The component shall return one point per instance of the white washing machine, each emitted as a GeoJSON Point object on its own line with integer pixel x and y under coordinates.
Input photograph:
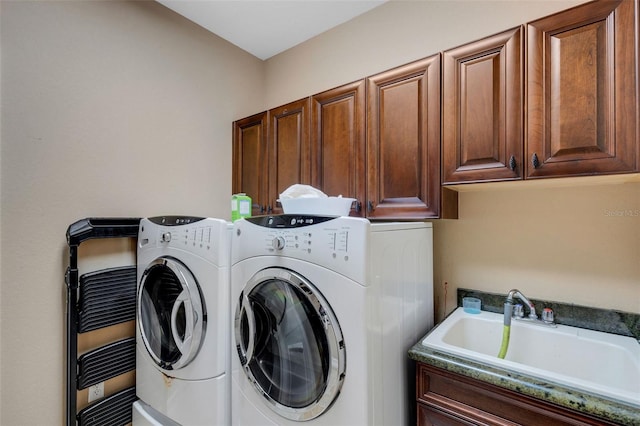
{"type": "Point", "coordinates": [324, 311]}
{"type": "Point", "coordinates": [183, 330]}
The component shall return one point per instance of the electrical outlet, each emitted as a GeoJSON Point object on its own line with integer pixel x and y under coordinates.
{"type": "Point", "coordinates": [96, 391]}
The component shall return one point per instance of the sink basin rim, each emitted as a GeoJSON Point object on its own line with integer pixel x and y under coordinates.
{"type": "Point", "coordinates": [435, 341]}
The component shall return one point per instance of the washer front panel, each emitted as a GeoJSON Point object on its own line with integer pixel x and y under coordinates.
{"type": "Point", "coordinates": [290, 343]}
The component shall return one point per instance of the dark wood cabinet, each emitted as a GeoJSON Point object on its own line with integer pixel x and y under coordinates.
{"type": "Point", "coordinates": [375, 140]}
{"type": "Point", "coordinates": [270, 153]}
{"type": "Point", "coordinates": [429, 416]}
{"type": "Point", "coordinates": [250, 165]}
{"type": "Point", "coordinates": [482, 107]}
{"type": "Point", "coordinates": [580, 99]}
{"type": "Point", "coordinates": [560, 100]}
{"type": "Point", "coordinates": [338, 134]}
{"type": "Point", "coordinates": [582, 91]}
{"type": "Point", "coordinates": [403, 143]}
{"type": "Point", "coordinates": [288, 149]}
{"type": "Point", "coordinates": [445, 399]}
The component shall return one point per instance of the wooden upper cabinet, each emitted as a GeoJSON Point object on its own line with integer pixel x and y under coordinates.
{"type": "Point", "coordinates": [582, 91]}
{"type": "Point", "coordinates": [403, 143]}
{"type": "Point", "coordinates": [482, 133]}
{"type": "Point", "coordinates": [288, 149]}
{"type": "Point", "coordinates": [338, 142]}
{"type": "Point", "coordinates": [249, 160]}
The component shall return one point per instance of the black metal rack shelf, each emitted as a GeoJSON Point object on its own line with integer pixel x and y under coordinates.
{"type": "Point", "coordinates": [96, 300]}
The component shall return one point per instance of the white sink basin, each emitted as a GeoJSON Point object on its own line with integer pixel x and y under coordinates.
{"type": "Point", "coordinates": [601, 363]}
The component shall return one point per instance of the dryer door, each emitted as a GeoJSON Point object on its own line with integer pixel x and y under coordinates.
{"type": "Point", "coordinates": [171, 313]}
{"type": "Point", "coordinates": [290, 343]}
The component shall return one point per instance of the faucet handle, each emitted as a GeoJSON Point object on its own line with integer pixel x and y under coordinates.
{"type": "Point", "coordinates": [547, 315]}
{"type": "Point", "coordinates": [518, 311]}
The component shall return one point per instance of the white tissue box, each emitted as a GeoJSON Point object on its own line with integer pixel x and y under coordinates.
{"type": "Point", "coordinates": [325, 206]}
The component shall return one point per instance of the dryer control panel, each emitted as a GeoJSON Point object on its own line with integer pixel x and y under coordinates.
{"type": "Point", "coordinates": [338, 243]}
{"type": "Point", "coordinates": [205, 237]}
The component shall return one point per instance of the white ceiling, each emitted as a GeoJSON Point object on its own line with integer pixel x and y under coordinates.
{"type": "Point", "coordinates": [265, 28]}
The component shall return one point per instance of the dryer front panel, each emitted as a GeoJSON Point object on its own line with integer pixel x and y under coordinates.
{"type": "Point", "coordinates": [289, 343]}
{"type": "Point", "coordinates": [171, 313]}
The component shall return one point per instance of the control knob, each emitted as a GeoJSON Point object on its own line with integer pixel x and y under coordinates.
{"type": "Point", "coordinates": [278, 243]}
{"type": "Point", "coordinates": [166, 237]}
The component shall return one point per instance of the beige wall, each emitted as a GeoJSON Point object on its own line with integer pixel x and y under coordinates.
{"type": "Point", "coordinates": [109, 108]}
{"type": "Point", "coordinates": [555, 242]}
{"type": "Point", "coordinates": [576, 242]}
{"type": "Point", "coordinates": [393, 34]}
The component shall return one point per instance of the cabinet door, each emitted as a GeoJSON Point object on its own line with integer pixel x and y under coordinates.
{"type": "Point", "coordinates": [288, 149]}
{"type": "Point", "coordinates": [338, 142]}
{"type": "Point", "coordinates": [403, 144]}
{"type": "Point", "coordinates": [429, 416]}
{"type": "Point", "coordinates": [582, 83]}
{"type": "Point", "coordinates": [482, 135]}
{"type": "Point", "coordinates": [448, 398]}
{"type": "Point", "coordinates": [250, 168]}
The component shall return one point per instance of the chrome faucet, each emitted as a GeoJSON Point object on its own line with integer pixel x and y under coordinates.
{"type": "Point", "coordinates": [516, 293]}
{"type": "Point", "coordinates": [547, 317]}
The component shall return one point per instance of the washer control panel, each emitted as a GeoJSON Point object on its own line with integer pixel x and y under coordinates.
{"type": "Point", "coordinates": [289, 221]}
{"type": "Point", "coordinates": [325, 240]}
{"type": "Point", "coordinates": [174, 220]}
{"type": "Point", "coordinates": [189, 236]}
{"type": "Point", "coordinates": [206, 237]}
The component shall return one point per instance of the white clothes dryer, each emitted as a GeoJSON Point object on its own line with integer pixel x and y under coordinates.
{"type": "Point", "coordinates": [183, 331]}
{"type": "Point", "coordinates": [324, 311]}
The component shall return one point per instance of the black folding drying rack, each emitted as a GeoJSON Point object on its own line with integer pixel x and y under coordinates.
{"type": "Point", "coordinates": [96, 300]}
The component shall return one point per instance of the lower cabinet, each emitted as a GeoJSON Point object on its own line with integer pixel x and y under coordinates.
{"type": "Point", "coordinates": [446, 398]}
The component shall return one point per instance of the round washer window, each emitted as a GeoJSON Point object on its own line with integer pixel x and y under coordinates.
{"type": "Point", "coordinates": [171, 315]}
{"type": "Point", "coordinates": [290, 344]}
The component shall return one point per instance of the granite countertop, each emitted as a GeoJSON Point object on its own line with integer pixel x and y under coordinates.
{"type": "Point", "coordinates": [571, 398]}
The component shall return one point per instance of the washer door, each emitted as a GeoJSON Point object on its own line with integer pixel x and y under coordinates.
{"type": "Point", "coordinates": [290, 343]}
{"type": "Point", "coordinates": [171, 313]}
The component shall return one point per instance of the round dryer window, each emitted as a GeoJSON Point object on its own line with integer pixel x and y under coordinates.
{"type": "Point", "coordinates": [290, 343]}
{"type": "Point", "coordinates": [171, 314]}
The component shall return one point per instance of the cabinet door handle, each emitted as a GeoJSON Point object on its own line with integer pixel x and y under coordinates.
{"type": "Point", "coordinates": [512, 163]}
{"type": "Point", "coordinates": [358, 206]}
{"type": "Point", "coordinates": [269, 209]}
{"type": "Point", "coordinates": [370, 206]}
{"type": "Point", "coordinates": [534, 161]}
